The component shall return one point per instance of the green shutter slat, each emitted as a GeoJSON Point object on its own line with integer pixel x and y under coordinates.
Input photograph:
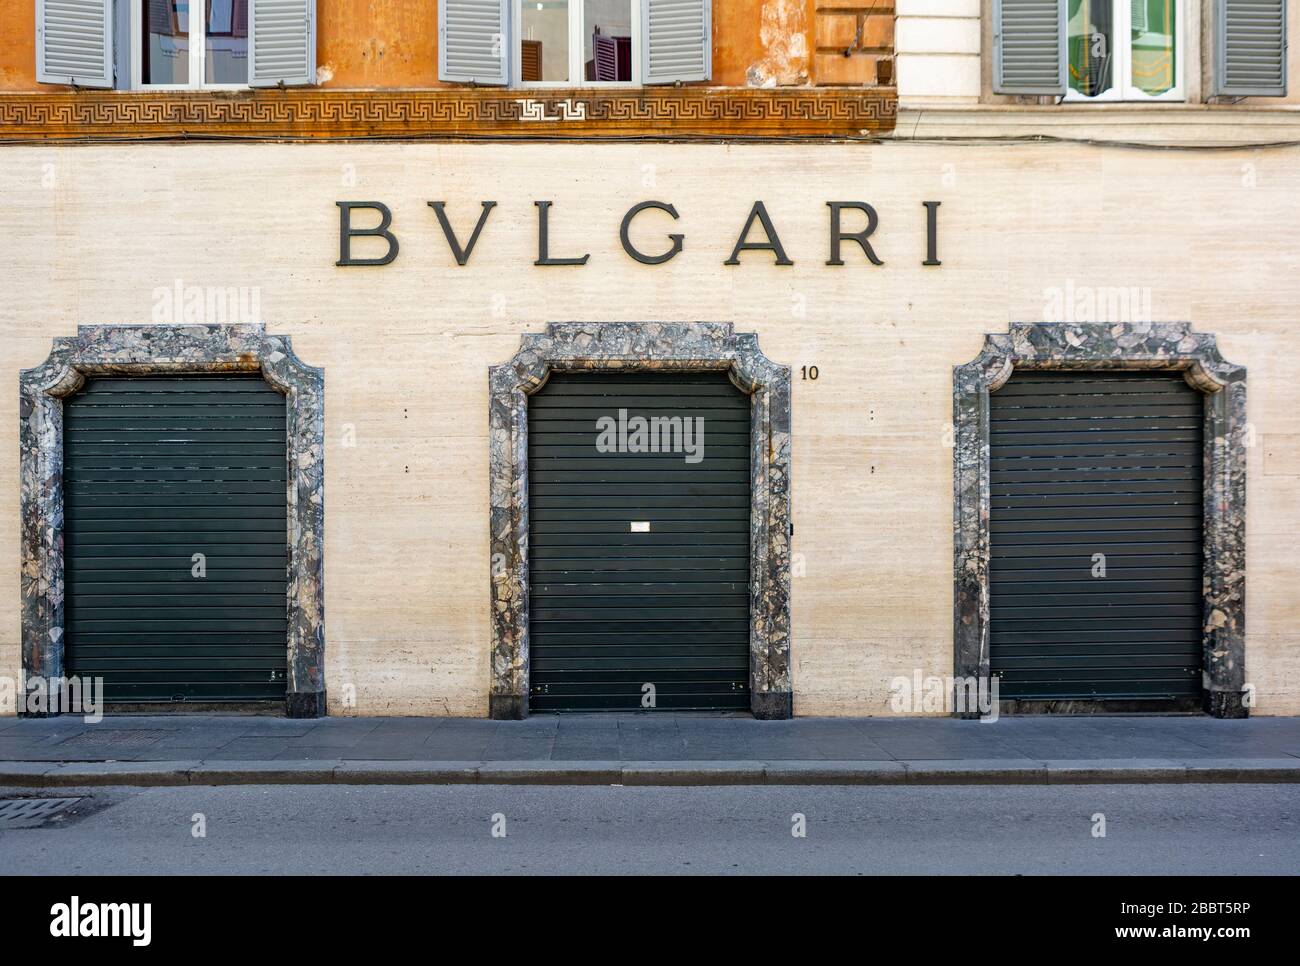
{"type": "Point", "coordinates": [611, 610]}
{"type": "Point", "coordinates": [157, 469]}
{"type": "Point", "coordinates": [1088, 463]}
{"type": "Point", "coordinates": [164, 583]}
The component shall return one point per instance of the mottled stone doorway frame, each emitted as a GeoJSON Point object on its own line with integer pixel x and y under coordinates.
{"type": "Point", "coordinates": [1170, 346]}
{"type": "Point", "coordinates": [144, 350]}
{"type": "Point", "coordinates": [643, 347]}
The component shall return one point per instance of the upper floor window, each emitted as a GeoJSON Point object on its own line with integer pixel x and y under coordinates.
{"type": "Point", "coordinates": [577, 41]}
{"type": "Point", "coordinates": [190, 43]}
{"type": "Point", "coordinates": [574, 42]}
{"type": "Point", "coordinates": [1124, 50]}
{"type": "Point", "coordinates": [176, 44]}
{"type": "Point", "coordinates": [1082, 51]}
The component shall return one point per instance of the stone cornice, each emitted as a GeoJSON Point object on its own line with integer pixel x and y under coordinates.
{"type": "Point", "coordinates": [1157, 125]}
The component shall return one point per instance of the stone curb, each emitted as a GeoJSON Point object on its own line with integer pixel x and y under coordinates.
{"type": "Point", "coordinates": [648, 773]}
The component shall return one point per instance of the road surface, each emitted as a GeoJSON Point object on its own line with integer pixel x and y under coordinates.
{"type": "Point", "coordinates": [1149, 829]}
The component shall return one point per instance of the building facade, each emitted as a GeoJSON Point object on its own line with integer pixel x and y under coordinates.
{"type": "Point", "coordinates": [480, 357]}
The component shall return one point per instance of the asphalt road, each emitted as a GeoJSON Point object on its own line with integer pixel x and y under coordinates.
{"type": "Point", "coordinates": [1150, 829]}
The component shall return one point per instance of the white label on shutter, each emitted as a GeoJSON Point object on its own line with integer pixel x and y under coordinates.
{"type": "Point", "coordinates": [640, 526]}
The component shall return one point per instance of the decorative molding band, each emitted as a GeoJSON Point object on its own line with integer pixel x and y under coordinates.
{"type": "Point", "coordinates": [642, 347]}
{"type": "Point", "coordinates": [451, 113]}
{"type": "Point", "coordinates": [1148, 345]}
{"type": "Point", "coordinates": [164, 349]}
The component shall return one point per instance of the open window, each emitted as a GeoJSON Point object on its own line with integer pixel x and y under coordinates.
{"type": "Point", "coordinates": [1124, 50]}
{"type": "Point", "coordinates": [223, 43]}
{"type": "Point", "coordinates": [176, 44]}
{"type": "Point", "coordinates": [1135, 50]}
{"type": "Point", "coordinates": [574, 43]}
{"type": "Point", "coordinates": [577, 42]}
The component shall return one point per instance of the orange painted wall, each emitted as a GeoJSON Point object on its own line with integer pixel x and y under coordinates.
{"type": "Point", "coordinates": [18, 45]}
{"type": "Point", "coordinates": [393, 43]}
{"type": "Point", "coordinates": [377, 43]}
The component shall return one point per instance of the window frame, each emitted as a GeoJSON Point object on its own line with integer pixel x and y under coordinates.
{"type": "Point", "coordinates": [198, 50]}
{"type": "Point", "coordinates": [1122, 89]}
{"type": "Point", "coordinates": [577, 15]}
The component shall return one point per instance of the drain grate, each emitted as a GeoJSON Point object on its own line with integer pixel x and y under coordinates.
{"type": "Point", "coordinates": [116, 738]}
{"type": "Point", "coordinates": [31, 812]}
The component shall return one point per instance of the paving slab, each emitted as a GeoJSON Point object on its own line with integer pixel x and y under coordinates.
{"type": "Point", "coordinates": [1263, 770]}
{"type": "Point", "coordinates": [693, 773]}
{"type": "Point", "coordinates": [119, 773]}
{"type": "Point", "coordinates": [1115, 771]}
{"type": "Point", "coordinates": [550, 773]}
{"type": "Point", "coordinates": [319, 772]}
{"type": "Point", "coordinates": [19, 773]}
{"type": "Point", "coordinates": [850, 772]}
{"type": "Point", "coordinates": [564, 749]}
{"type": "Point", "coordinates": [407, 773]}
{"type": "Point", "coordinates": [987, 771]}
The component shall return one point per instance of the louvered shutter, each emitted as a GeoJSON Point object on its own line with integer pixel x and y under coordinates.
{"type": "Point", "coordinates": [474, 41]}
{"type": "Point", "coordinates": [676, 41]}
{"type": "Point", "coordinates": [1250, 48]}
{"type": "Point", "coordinates": [1029, 46]}
{"type": "Point", "coordinates": [281, 42]}
{"type": "Point", "coordinates": [74, 42]}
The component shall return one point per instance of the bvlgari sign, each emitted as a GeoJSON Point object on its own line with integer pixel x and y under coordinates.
{"type": "Point", "coordinates": [759, 234]}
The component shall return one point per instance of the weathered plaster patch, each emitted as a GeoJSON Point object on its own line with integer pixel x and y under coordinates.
{"type": "Point", "coordinates": [1143, 345]}
{"type": "Point", "coordinates": [154, 350]}
{"type": "Point", "coordinates": [783, 31]}
{"type": "Point", "coordinates": [633, 347]}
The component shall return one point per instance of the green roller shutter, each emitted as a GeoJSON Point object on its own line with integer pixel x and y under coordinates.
{"type": "Point", "coordinates": [156, 471]}
{"type": "Point", "coordinates": [1085, 464]}
{"type": "Point", "coordinates": [639, 561]}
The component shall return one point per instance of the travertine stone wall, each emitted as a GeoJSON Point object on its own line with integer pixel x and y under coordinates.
{"type": "Point", "coordinates": [105, 234]}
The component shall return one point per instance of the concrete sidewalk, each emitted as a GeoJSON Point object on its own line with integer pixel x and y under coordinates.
{"type": "Point", "coordinates": [654, 749]}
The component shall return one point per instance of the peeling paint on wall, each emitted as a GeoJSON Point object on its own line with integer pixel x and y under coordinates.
{"type": "Point", "coordinates": [784, 34]}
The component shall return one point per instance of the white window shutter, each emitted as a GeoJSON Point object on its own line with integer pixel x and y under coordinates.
{"type": "Point", "coordinates": [1250, 54]}
{"type": "Point", "coordinates": [74, 42]}
{"type": "Point", "coordinates": [1029, 47]}
{"type": "Point", "coordinates": [281, 43]}
{"type": "Point", "coordinates": [676, 41]}
{"type": "Point", "coordinates": [474, 41]}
